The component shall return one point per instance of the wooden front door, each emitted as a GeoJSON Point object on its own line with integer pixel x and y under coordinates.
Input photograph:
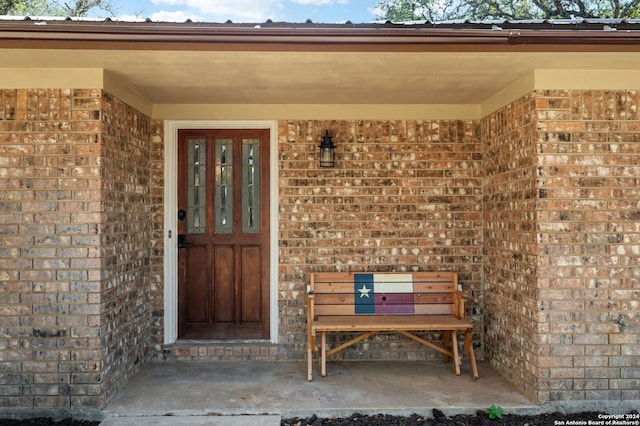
{"type": "Point", "coordinates": [223, 226]}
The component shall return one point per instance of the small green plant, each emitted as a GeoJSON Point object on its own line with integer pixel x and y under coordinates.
{"type": "Point", "coordinates": [495, 412]}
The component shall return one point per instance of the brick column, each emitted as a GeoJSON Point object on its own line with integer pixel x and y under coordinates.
{"type": "Point", "coordinates": [74, 246]}
{"type": "Point", "coordinates": [588, 219]}
{"type": "Point", "coordinates": [510, 243]}
{"type": "Point", "coordinates": [562, 243]}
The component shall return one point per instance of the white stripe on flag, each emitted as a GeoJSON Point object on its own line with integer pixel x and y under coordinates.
{"type": "Point", "coordinates": [393, 283]}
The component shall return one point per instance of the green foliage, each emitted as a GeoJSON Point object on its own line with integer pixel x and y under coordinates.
{"type": "Point", "coordinates": [54, 8]}
{"type": "Point", "coordinates": [438, 10]}
{"type": "Point", "coordinates": [35, 8]}
{"type": "Point", "coordinates": [495, 412]}
{"type": "Point", "coordinates": [8, 6]}
{"type": "Point", "coordinates": [419, 10]}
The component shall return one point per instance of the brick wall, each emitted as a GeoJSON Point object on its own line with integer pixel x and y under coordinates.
{"type": "Point", "coordinates": [537, 207]}
{"type": "Point", "coordinates": [74, 232]}
{"type": "Point", "coordinates": [404, 195]}
{"type": "Point", "coordinates": [589, 223]}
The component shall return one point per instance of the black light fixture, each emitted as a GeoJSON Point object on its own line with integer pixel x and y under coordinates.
{"type": "Point", "coordinates": [327, 151]}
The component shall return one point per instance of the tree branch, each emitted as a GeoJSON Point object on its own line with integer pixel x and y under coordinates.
{"type": "Point", "coordinates": [546, 11]}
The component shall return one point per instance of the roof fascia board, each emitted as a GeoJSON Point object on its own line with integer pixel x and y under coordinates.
{"type": "Point", "coordinates": [316, 112]}
{"type": "Point", "coordinates": [448, 46]}
{"type": "Point", "coordinates": [190, 36]}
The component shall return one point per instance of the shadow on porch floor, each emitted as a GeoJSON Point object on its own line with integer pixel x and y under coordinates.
{"type": "Point", "coordinates": [184, 388]}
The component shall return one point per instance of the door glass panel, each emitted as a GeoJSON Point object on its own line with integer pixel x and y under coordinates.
{"type": "Point", "coordinates": [224, 186]}
{"type": "Point", "coordinates": [251, 186]}
{"type": "Point", "coordinates": [196, 187]}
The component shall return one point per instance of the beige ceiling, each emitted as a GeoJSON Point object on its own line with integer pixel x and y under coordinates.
{"type": "Point", "coordinates": [274, 77]}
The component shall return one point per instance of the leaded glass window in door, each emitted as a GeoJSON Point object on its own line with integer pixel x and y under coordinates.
{"type": "Point", "coordinates": [196, 186]}
{"type": "Point", "coordinates": [224, 186]}
{"type": "Point", "coordinates": [251, 186]}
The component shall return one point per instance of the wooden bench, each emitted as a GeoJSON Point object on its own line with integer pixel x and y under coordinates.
{"type": "Point", "coordinates": [369, 303]}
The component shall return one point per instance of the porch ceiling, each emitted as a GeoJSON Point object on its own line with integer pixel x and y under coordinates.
{"type": "Point", "coordinates": [255, 77]}
{"type": "Point", "coordinates": [316, 64]}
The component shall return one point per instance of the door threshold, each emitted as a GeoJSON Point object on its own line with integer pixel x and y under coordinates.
{"type": "Point", "coordinates": [219, 341]}
{"type": "Point", "coordinates": [222, 350]}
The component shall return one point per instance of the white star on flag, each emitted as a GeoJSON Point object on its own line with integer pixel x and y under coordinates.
{"type": "Point", "coordinates": [364, 291]}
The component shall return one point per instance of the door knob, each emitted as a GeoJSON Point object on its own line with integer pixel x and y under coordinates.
{"type": "Point", "coordinates": [181, 214]}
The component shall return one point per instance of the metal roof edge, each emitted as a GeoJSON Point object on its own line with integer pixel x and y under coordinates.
{"type": "Point", "coordinates": [506, 33]}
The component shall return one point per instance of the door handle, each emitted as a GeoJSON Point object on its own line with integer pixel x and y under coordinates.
{"type": "Point", "coordinates": [181, 214]}
{"type": "Point", "coordinates": [182, 241]}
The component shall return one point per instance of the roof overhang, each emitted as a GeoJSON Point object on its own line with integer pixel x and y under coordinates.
{"type": "Point", "coordinates": [457, 70]}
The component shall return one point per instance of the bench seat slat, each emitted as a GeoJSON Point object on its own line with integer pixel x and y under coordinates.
{"type": "Point", "coordinates": [390, 323]}
{"type": "Point", "coordinates": [337, 309]}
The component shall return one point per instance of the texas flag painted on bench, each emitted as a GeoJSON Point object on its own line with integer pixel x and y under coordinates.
{"type": "Point", "coordinates": [383, 293]}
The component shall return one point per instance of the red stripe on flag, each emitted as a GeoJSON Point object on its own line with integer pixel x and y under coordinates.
{"type": "Point", "coordinates": [394, 303]}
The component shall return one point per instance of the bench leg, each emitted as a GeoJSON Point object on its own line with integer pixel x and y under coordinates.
{"type": "Point", "coordinates": [468, 347]}
{"type": "Point", "coordinates": [323, 351]}
{"type": "Point", "coordinates": [447, 345]}
{"type": "Point", "coordinates": [309, 360]}
{"type": "Point", "coordinates": [456, 358]}
{"type": "Point", "coordinates": [319, 350]}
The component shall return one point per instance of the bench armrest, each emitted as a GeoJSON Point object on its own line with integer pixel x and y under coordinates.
{"type": "Point", "coordinates": [310, 307]}
{"type": "Point", "coordinates": [458, 302]}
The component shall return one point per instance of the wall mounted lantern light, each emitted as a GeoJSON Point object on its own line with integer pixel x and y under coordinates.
{"type": "Point", "coordinates": [327, 151]}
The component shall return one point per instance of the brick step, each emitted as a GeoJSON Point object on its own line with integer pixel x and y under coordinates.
{"type": "Point", "coordinates": [221, 351]}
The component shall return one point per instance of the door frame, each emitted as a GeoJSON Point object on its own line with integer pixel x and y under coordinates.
{"type": "Point", "coordinates": [171, 128]}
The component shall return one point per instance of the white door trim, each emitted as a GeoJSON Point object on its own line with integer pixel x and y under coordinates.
{"type": "Point", "coordinates": [171, 128]}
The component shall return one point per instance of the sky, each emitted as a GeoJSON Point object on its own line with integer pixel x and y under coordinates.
{"type": "Point", "coordinates": [246, 11]}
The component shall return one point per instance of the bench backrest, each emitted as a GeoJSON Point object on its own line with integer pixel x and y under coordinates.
{"type": "Point", "coordinates": [394, 293]}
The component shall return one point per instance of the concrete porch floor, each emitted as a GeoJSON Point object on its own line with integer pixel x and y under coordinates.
{"type": "Point", "coordinates": [192, 388]}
